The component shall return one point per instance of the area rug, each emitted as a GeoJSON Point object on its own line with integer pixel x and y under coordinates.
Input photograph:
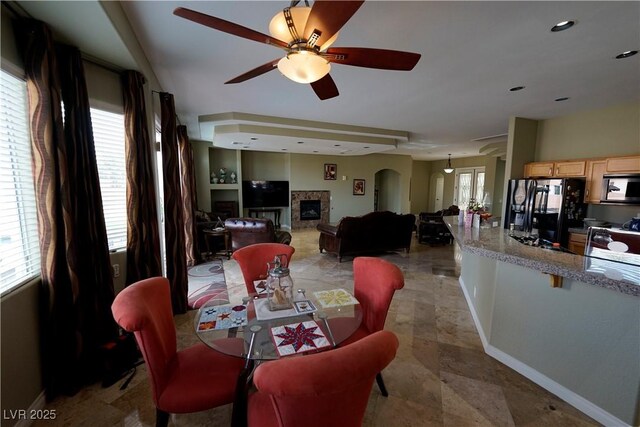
{"type": "Point", "coordinates": [206, 281]}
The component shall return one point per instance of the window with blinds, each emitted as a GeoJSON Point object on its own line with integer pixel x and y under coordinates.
{"type": "Point", "coordinates": [108, 135]}
{"type": "Point", "coordinates": [19, 251]}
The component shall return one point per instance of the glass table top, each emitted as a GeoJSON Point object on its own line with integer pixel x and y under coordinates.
{"type": "Point", "coordinates": [336, 318]}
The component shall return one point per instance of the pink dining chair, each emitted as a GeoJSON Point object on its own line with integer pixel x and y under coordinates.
{"type": "Point", "coordinates": [375, 280]}
{"type": "Point", "coordinates": [191, 380]}
{"type": "Point", "coordinates": [331, 388]}
{"type": "Point", "coordinates": [253, 260]}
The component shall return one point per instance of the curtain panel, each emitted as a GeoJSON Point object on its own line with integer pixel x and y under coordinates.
{"type": "Point", "coordinates": [188, 179]}
{"type": "Point", "coordinates": [76, 271]}
{"type": "Point", "coordinates": [173, 213]}
{"type": "Point", "coordinates": [143, 238]}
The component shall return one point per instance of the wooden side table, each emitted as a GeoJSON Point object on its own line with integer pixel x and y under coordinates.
{"type": "Point", "coordinates": [217, 234]}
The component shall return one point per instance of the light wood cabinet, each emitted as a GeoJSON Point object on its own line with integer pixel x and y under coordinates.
{"type": "Point", "coordinates": [629, 164]}
{"type": "Point", "coordinates": [538, 169]}
{"type": "Point", "coordinates": [595, 171]}
{"type": "Point", "coordinates": [569, 169]}
{"type": "Point", "coordinates": [555, 169]}
{"type": "Point", "coordinates": [577, 242]}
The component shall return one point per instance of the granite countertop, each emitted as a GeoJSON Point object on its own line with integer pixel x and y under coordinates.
{"type": "Point", "coordinates": [495, 243]}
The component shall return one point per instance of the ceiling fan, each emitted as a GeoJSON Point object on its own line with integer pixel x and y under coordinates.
{"type": "Point", "coordinates": [306, 34]}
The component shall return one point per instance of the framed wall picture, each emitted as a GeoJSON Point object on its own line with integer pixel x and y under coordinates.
{"type": "Point", "coordinates": [330, 171]}
{"type": "Point", "coordinates": [358, 187]}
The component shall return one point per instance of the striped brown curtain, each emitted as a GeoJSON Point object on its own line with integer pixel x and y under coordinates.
{"type": "Point", "coordinates": [189, 204]}
{"type": "Point", "coordinates": [143, 239]}
{"type": "Point", "coordinates": [173, 217]}
{"type": "Point", "coordinates": [76, 270]}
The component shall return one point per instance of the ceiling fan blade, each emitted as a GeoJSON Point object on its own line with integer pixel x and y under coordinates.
{"type": "Point", "coordinates": [327, 17]}
{"type": "Point", "coordinates": [227, 27]}
{"type": "Point", "coordinates": [372, 58]}
{"type": "Point", "coordinates": [325, 88]}
{"type": "Point", "coordinates": [255, 72]}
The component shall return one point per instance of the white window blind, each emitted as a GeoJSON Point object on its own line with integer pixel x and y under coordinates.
{"type": "Point", "coordinates": [108, 135]}
{"type": "Point", "coordinates": [19, 251]}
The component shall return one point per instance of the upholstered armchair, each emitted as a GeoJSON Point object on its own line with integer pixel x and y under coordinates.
{"type": "Point", "coordinates": [375, 281]}
{"type": "Point", "coordinates": [253, 260]}
{"type": "Point", "coordinates": [331, 388]}
{"type": "Point", "coordinates": [248, 231]}
{"type": "Point", "coordinates": [191, 380]}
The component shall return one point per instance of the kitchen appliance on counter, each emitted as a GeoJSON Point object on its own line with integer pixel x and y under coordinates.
{"type": "Point", "coordinates": [545, 207]}
{"type": "Point", "coordinates": [621, 189]}
{"type": "Point", "coordinates": [614, 253]}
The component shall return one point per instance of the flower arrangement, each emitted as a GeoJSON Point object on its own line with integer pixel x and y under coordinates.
{"type": "Point", "coordinates": [475, 207]}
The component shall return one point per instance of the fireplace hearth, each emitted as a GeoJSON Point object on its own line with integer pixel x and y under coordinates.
{"type": "Point", "coordinates": [310, 210]}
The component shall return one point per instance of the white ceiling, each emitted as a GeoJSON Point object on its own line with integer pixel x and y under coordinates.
{"type": "Point", "coordinates": [472, 53]}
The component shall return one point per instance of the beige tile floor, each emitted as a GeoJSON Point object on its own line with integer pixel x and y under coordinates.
{"type": "Point", "coordinates": [440, 377]}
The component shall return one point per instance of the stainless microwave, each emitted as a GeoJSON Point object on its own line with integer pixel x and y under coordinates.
{"type": "Point", "coordinates": [623, 189]}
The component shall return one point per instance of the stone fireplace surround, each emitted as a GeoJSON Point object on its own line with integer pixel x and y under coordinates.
{"type": "Point", "coordinates": [296, 196]}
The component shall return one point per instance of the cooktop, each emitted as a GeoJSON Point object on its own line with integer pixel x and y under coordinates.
{"type": "Point", "coordinates": [538, 242]}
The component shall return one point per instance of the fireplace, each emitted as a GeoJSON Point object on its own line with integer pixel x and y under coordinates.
{"type": "Point", "coordinates": [310, 210]}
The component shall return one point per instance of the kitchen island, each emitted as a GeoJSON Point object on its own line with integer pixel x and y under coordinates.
{"type": "Point", "coordinates": [581, 341]}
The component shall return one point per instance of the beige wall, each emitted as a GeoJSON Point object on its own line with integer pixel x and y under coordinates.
{"type": "Point", "coordinates": [607, 132]}
{"type": "Point", "coordinates": [420, 177]}
{"type": "Point", "coordinates": [307, 174]}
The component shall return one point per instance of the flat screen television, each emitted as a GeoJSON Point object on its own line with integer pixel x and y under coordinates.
{"type": "Point", "coordinates": [265, 194]}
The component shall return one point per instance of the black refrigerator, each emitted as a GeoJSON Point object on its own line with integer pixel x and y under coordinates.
{"type": "Point", "coordinates": [546, 207]}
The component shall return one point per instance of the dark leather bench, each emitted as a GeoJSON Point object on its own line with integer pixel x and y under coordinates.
{"type": "Point", "coordinates": [374, 232]}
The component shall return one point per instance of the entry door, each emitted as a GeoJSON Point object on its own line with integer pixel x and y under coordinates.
{"type": "Point", "coordinates": [439, 193]}
{"type": "Point", "coordinates": [469, 185]}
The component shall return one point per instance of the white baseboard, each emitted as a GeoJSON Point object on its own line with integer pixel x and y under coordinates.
{"type": "Point", "coordinates": [37, 404]}
{"type": "Point", "coordinates": [572, 398]}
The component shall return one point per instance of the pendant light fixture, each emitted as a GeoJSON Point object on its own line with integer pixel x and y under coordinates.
{"type": "Point", "coordinates": [448, 169]}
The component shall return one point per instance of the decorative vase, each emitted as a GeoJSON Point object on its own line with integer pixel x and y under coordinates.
{"type": "Point", "coordinates": [468, 220]}
{"type": "Point", "coordinates": [233, 177]}
{"type": "Point", "coordinates": [476, 220]}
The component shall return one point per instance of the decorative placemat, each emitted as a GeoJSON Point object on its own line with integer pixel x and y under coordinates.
{"type": "Point", "coordinates": [335, 298]}
{"type": "Point", "coordinates": [222, 317]}
{"type": "Point", "coordinates": [298, 338]}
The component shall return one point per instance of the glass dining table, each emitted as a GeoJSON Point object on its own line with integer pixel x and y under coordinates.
{"type": "Point", "coordinates": [337, 316]}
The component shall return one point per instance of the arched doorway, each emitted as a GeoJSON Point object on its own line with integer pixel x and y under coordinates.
{"type": "Point", "coordinates": [387, 191]}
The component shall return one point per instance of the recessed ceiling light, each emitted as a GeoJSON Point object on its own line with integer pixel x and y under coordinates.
{"type": "Point", "coordinates": [564, 98]}
{"type": "Point", "coordinates": [254, 138]}
{"type": "Point", "coordinates": [561, 26]}
{"type": "Point", "coordinates": [626, 54]}
{"type": "Point", "coordinates": [516, 88]}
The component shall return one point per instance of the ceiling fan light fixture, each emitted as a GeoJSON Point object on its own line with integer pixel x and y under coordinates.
{"type": "Point", "coordinates": [304, 67]}
{"type": "Point", "coordinates": [448, 168]}
{"type": "Point", "coordinates": [279, 29]}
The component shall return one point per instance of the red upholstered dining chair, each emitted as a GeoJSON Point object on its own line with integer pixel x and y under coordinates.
{"type": "Point", "coordinates": [190, 380]}
{"type": "Point", "coordinates": [375, 280]}
{"type": "Point", "coordinates": [331, 388]}
{"type": "Point", "coordinates": [253, 260]}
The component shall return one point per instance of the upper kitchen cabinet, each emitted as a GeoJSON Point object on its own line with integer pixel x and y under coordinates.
{"type": "Point", "coordinates": [574, 168]}
{"type": "Point", "coordinates": [595, 171]}
{"type": "Point", "coordinates": [598, 168]}
{"type": "Point", "coordinates": [627, 164]}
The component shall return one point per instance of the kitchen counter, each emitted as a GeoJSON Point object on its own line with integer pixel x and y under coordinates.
{"type": "Point", "coordinates": [495, 243]}
{"type": "Point", "coordinates": [580, 341]}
